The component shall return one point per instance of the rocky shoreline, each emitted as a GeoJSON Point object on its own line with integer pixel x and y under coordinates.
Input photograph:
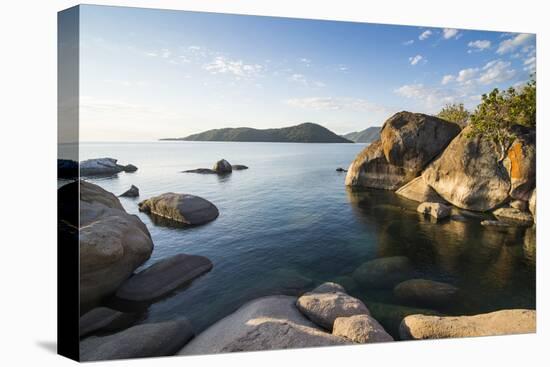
{"type": "Point", "coordinates": [420, 157]}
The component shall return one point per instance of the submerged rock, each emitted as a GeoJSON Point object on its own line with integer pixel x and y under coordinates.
{"type": "Point", "coordinates": [325, 305]}
{"type": "Point", "coordinates": [113, 244]}
{"type": "Point", "coordinates": [103, 166]}
{"type": "Point", "coordinates": [132, 192]}
{"type": "Point", "coordinates": [204, 171]}
{"type": "Point", "coordinates": [329, 287]}
{"type": "Point", "coordinates": [163, 277]}
{"type": "Point", "coordinates": [146, 340]}
{"type": "Point", "coordinates": [502, 322]}
{"type": "Point", "coordinates": [385, 272]}
{"type": "Point", "coordinates": [182, 208]}
{"type": "Point", "coordinates": [436, 210]}
{"type": "Point", "coordinates": [513, 215]}
{"type": "Point", "coordinates": [263, 324]}
{"type": "Point", "coordinates": [391, 315]}
{"type": "Point", "coordinates": [468, 174]}
{"type": "Point", "coordinates": [103, 319]}
{"type": "Point", "coordinates": [238, 167]}
{"type": "Point", "coordinates": [425, 292]}
{"type": "Point", "coordinates": [222, 166]}
{"type": "Point", "coordinates": [360, 329]}
{"type": "Point", "coordinates": [418, 190]}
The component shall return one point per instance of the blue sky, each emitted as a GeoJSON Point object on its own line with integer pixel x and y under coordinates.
{"type": "Point", "coordinates": [147, 74]}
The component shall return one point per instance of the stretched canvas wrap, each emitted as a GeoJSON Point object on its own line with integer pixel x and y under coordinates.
{"type": "Point", "coordinates": [235, 183]}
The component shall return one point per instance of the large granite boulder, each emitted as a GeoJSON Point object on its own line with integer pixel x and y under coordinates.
{"type": "Point", "coordinates": [521, 165]}
{"type": "Point", "coordinates": [418, 190]}
{"type": "Point", "coordinates": [113, 244]}
{"type": "Point", "coordinates": [468, 174]}
{"type": "Point", "coordinates": [181, 208]}
{"type": "Point", "coordinates": [103, 166]}
{"type": "Point", "coordinates": [146, 340]}
{"type": "Point", "coordinates": [324, 305]}
{"type": "Point", "coordinates": [263, 324]}
{"type": "Point", "coordinates": [533, 204]}
{"type": "Point", "coordinates": [436, 210]}
{"type": "Point", "coordinates": [222, 166]}
{"type": "Point", "coordinates": [360, 329]}
{"type": "Point", "coordinates": [408, 141]}
{"type": "Point", "coordinates": [423, 292]}
{"type": "Point", "coordinates": [502, 322]}
{"type": "Point", "coordinates": [163, 277]}
{"type": "Point", "coordinates": [385, 272]}
{"type": "Point", "coordinates": [103, 320]}
{"type": "Point", "coordinates": [411, 140]}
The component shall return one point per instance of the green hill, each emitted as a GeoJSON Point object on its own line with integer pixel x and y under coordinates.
{"type": "Point", "coordinates": [304, 133]}
{"type": "Point", "coordinates": [368, 135]}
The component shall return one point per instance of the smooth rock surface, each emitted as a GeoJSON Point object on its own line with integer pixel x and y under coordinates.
{"type": "Point", "coordinates": [329, 287]}
{"type": "Point", "coordinates": [146, 340]}
{"type": "Point", "coordinates": [324, 308]}
{"type": "Point", "coordinates": [113, 244]}
{"type": "Point", "coordinates": [264, 324]}
{"type": "Point", "coordinates": [513, 215]}
{"type": "Point", "coordinates": [418, 190]}
{"type": "Point", "coordinates": [103, 166]}
{"type": "Point", "coordinates": [132, 192]}
{"type": "Point", "coordinates": [103, 319]}
{"type": "Point", "coordinates": [163, 277]}
{"type": "Point", "coordinates": [436, 210]}
{"type": "Point", "coordinates": [502, 322]}
{"type": "Point", "coordinates": [468, 175]}
{"type": "Point", "coordinates": [182, 208]}
{"type": "Point", "coordinates": [424, 292]}
{"type": "Point", "coordinates": [385, 272]}
{"type": "Point", "coordinates": [360, 329]}
{"type": "Point", "coordinates": [222, 166]}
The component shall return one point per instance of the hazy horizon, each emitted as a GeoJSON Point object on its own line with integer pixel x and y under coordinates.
{"type": "Point", "coordinates": [147, 74]}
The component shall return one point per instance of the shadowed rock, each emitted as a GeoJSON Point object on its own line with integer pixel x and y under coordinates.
{"type": "Point", "coordinates": [132, 192]}
{"type": "Point", "coordinates": [436, 210]}
{"type": "Point", "coordinates": [263, 324]}
{"type": "Point", "coordinates": [520, 163]}
{"type": "Point", "coordinates": [418, 190]}
{"type": "Point", "coordinates": [146, 340]}
{"type": "Point", "coordinates": [513, 216]}
{"type": "Point", "coordinates": [222, 167]}
{"type": "Point", "coordinates": [360, 329]}
{"type": "Point", "coordinates": [502, 322]}
{"type": "Point", "coordinates": [103, 319]}
{"type": "Point", "coordinates": [67, 168]}
{"type": "Point", "coordinates": [385, 272]}
{"type": "Point", "coordinates": [425, 292]}
{"type": "Point", "coordinates": [163, 277]}
{"type": "Point", "coordinates": [182, 208]}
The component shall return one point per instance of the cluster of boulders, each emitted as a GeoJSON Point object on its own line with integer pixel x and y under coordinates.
{"type": "Point", "coordinates": [104, 167]}
{"type": "Point", "coordinates": [427, 159]}
{"type": "Point", "coordinates": [221, 167]}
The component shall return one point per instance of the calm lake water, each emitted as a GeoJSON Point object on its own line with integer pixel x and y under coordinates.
{"type": "Point", "coordinates": [289, 218]}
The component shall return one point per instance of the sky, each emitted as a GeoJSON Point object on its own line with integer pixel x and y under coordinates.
{"type": "Point", "coordinates": [148, 74]}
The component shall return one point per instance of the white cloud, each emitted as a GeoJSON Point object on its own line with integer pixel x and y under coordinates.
{"type": "Point", "coordinates": [511, 44]}
{"type": "Point", "coordinates": [335, 104]}
{"type": "Point", "coordinates": [416, 59]}
{"type": "Point", "coordinates": [431, 97]}
{"type": "Point", "coordinates": [343, 68]}
{"type": "Point", "coordinates": [221, 65]}
{"type": "Point", "coordinates": [424, 35]}
{"type": "Point", "coordinates": [496, 71]}
{"type": "Point", "coordinates": [408, 43]}
{"type": "Point", "coordinates": [466, 76]}
{"type": "Point", "coordinates": [305, 61]}
{"type": "Point", "coordinates": [530, 64]}
{"type": "Point", "coordinates": [301, 79]}
{"type": "Point", "coordinates": [447, 79]}
{"type": "Point", "coordinates": [450, 33]}
{"type": "Point", "coordinates": [479, 45]}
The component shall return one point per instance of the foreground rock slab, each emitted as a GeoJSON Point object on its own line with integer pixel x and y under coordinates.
{"type": "Point", "coordinates": [163, 277]}
{"type": "Point", "coordinates": [468, 174]}
{"type": "Point", "coordinates": [324, 307]}
{"type": "Point", "coordinates": [146, 340]}
{"type": "Point", "coordinates": [360, 329]}
{"type": "Point", "coordinates": [385, 272]}
{"type": "Point", "coordinates": [436, 210]}
{"type": "Point", "coordinates": [425, 292]}
{"type": "Point", "coordinates": [513, 215]}
{"type": "Point", "coordinates": [103, 319]}
{"type": "Point", "coordinates": [264, 324]}
{"type": "Point", "coordinates": [181, 208]}
{"type": "Point", "coordinates": [502, 322]}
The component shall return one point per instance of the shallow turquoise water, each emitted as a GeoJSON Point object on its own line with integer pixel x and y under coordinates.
{"type": "Point", "coordinates": [290, 217]}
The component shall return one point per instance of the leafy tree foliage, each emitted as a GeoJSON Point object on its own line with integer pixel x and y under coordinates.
{"type": "Point", "coordinates": [455, 112]}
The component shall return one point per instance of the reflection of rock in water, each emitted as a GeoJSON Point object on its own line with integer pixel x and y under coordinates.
{"type": "Point", "coordinates": [530, 246]}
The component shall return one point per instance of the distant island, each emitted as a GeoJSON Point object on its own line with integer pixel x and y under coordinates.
{"type": "Point", "coordinates": [368, 135]}
{"type": "Point", "coordinates": [303, 133]}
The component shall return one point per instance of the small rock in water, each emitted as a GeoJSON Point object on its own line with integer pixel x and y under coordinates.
{"type": "Point", "coordinates": [340, 169]}
{"type": "Point", "coordinates": [436, 210]}
{"type": "Point", "coordinates": [203, 171]}
{"type": "Point", "coordinates": [132, 192]}
{"type": "Point", "coordinates": [425, 292]}
{"type": "Point", "coordinates": [222, 166]}
{"type": "Point", "coordinates": [130, 168]}
{"type": "Point", "coordinates": [385, 272]}
{"type": "Point", "coordinates": [238, 167]}
{"type": "Point", "coordinates": [360, 329]}
{"type": "Point", "coordinates": [182, 208]}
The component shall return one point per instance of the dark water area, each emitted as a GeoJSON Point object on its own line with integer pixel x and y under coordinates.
{"type": "Point", "coordinates": [289, 223]}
